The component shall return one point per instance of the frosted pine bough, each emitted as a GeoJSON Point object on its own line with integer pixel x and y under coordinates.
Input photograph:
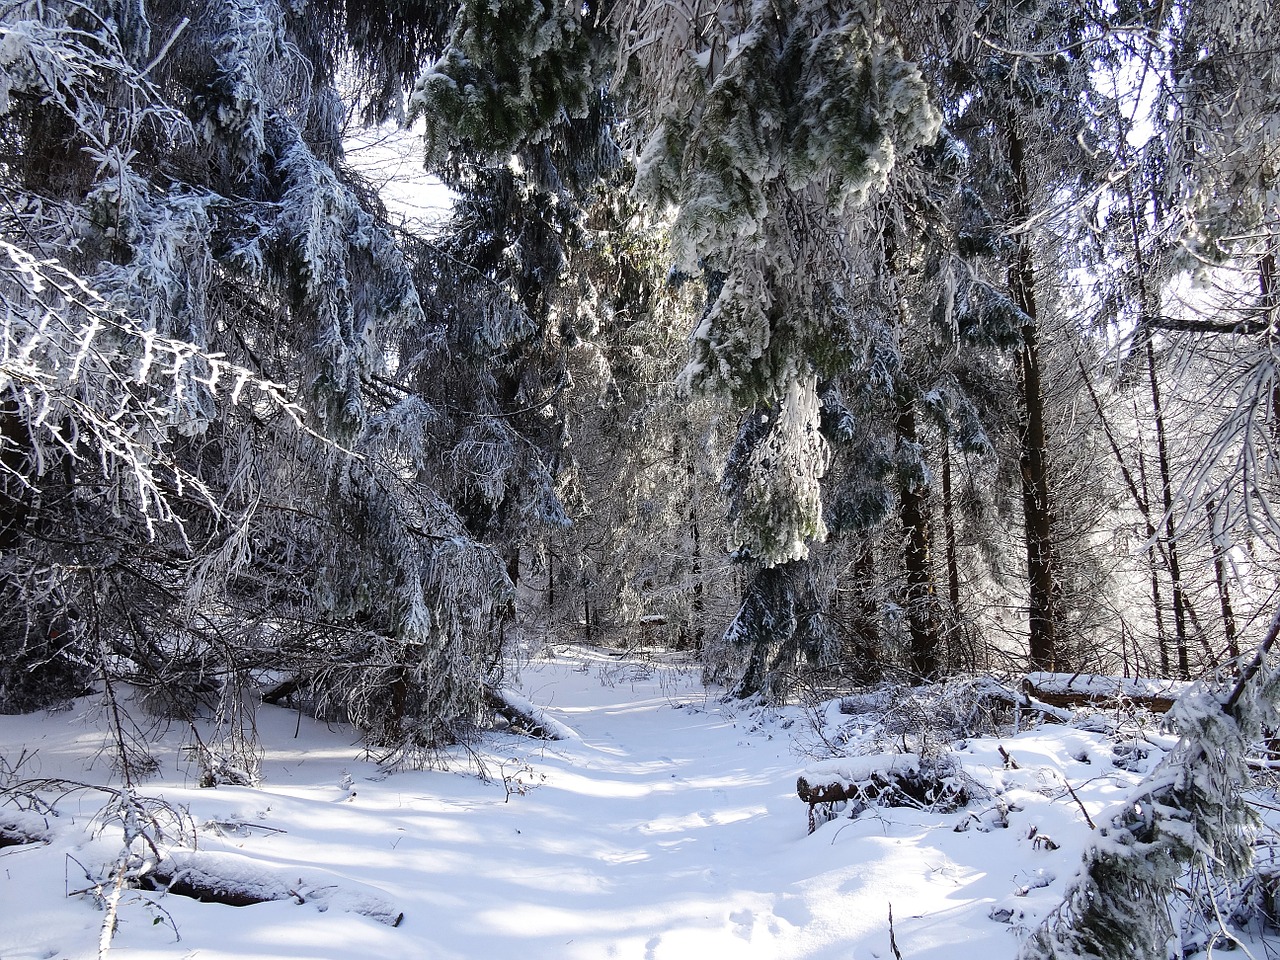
{"type": "Point", "coordinates": [216, 519]}
{"type": "Point", "coordinates": [770, 127]}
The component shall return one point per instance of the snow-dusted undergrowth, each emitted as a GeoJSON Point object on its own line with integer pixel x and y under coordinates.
{"type": "Point", "coordinates": [668, 827]}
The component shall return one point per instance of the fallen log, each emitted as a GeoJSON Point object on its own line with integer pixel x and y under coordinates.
{"type": "Point", "coordinates": [1025, 699]}
{"type": "Point", "coordinates": [525, 717]}
{"type": "Point", "coordinates": [881, 780]}
{"type": "Point", "coordinates": [238, 881]}
{"type": "Point", "coordinates": [1086, 689]}
{"type": "Point", "coordinates": [18, 828]}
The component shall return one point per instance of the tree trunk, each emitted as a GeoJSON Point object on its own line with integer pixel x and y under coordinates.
{"type": "Point", "coordinates": [1269, 291]}
{"type": "Point", "coordinates": [551, 582]}
{"type": "Point", "coordinates": [1166, 492]}
{"type": "Point", "coordinates": [952, 558]}
{"type": "Point", "coordinates": [1224, 591]}
{"type": "Point", "coordinates": [913, 510]}
{"type": "Point", "coordinates": [1154, 563]}
{"type": "Point", "coordinates": [1033, 460]}
{"type": "Point", "coordinates": [15, 442]}
{"type": "Point", "coordinates": [1149, 309]}
{"type": "Point", "coordinates": [699, 604]}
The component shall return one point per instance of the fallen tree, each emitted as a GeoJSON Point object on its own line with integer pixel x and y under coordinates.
{"type": "Point", "coordinates": [1085, 689]}
{"type": "Point", "coordinates": [524, 716]}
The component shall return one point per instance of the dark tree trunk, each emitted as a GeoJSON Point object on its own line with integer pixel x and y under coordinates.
{"type": "Point", "coordinates": [15, 442]}
{"type": "Point", "coordinates": [1034, 460]}
{"type": "Point", "coordinates": [913, 510]}
{"type": "Point", "coordinates": [952, 554]}
{"type": "Point", "coordinates": [697, 608]}
{"type": "Point", "coordinates": [551, 582]}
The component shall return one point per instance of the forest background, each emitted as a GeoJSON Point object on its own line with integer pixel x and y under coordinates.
{"type": "Point", "coordinates": [829, 340]}
{"type": "Point", "coordinates": [833, 342]}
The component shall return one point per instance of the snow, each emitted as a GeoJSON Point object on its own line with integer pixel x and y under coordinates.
{"type": "Point", "coordinates": [1106, 687]}
{"type": "Point", "coordinates": [667, 827]}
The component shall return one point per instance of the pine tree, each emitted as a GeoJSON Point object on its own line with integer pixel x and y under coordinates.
{"type": "Point", "coordinates": [204, 207]}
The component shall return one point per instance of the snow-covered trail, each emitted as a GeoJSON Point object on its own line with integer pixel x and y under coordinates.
{"type": "Point", "coordinates": [669, 829]}
{"type": "Point", "coordinates": [655, 835]}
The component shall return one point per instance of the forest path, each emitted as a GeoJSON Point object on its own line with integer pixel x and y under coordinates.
{"type": "Point", "coordinates": [654, 835]}
{"type": "Point", "coordinates": [668, 829]}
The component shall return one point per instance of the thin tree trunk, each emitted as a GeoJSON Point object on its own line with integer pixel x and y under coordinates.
{"type": "Point", "coordinates": [1269, 290]}
{"type": "Point", "coordinates": [1224, 590]}
{"type": "Point", "coordinates": [700, 627]}
{"type": "Point", "coordinates": [867, 617]}
{"type": "Point", "coordinates": [1148, 307]}
{"type": "Point", "coordinates": [1142, 500]}
{"type": "Point", "coordinates": [1153, 552]}
{"type": "Point", "coordinates": [1034, 460]}
{"type": "Point", "coordinates": [551, 582]}
{"type": "Point", "coordinates": [1166, 491]}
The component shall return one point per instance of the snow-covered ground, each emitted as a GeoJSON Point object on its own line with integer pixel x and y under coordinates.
{"type": "Point", "coordinates": [669, 827]}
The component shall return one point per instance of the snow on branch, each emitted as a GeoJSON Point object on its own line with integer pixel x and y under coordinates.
{"type": "Point", "coordinates": [89, 380]}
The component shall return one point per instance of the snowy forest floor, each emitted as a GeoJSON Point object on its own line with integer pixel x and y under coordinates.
{"type": "Point", "coordinates": [668, 828]}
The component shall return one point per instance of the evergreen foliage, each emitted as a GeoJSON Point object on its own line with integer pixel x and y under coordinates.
{"type": "Point", "coordinates": [163, 522]}
{"type": "Point", "coordinates": [1189, 812]}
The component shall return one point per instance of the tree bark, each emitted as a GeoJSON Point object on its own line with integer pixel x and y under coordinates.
{"type": "Point", "coordinates": [1166, 493]}
{"type": "Point", "coordinates": [952, 555]}
{"type": "Point", "coordinates": [1224, 590]}
{"type": "Point", "coordinates": [15, 442]}
{"type": "Point", "coordinates": [1033, 459]}
{"type": "Point", "coordinates": [913, 510]}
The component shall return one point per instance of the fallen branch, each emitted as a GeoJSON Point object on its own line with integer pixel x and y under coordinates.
{"type": "Point", "coordinates": [893, 939]}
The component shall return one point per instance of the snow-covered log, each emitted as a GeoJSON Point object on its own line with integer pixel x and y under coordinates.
{"type": "Point", "coordinates": [18, 827]}
{"type": "Point", "coordinates": [238, 881]}
{"type": "Point", "coordinates": [524, 715]}
{"type": "Point", "coordinates": [1081, 689]}
{"type": "Point", "coordinates": [885, 780]}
